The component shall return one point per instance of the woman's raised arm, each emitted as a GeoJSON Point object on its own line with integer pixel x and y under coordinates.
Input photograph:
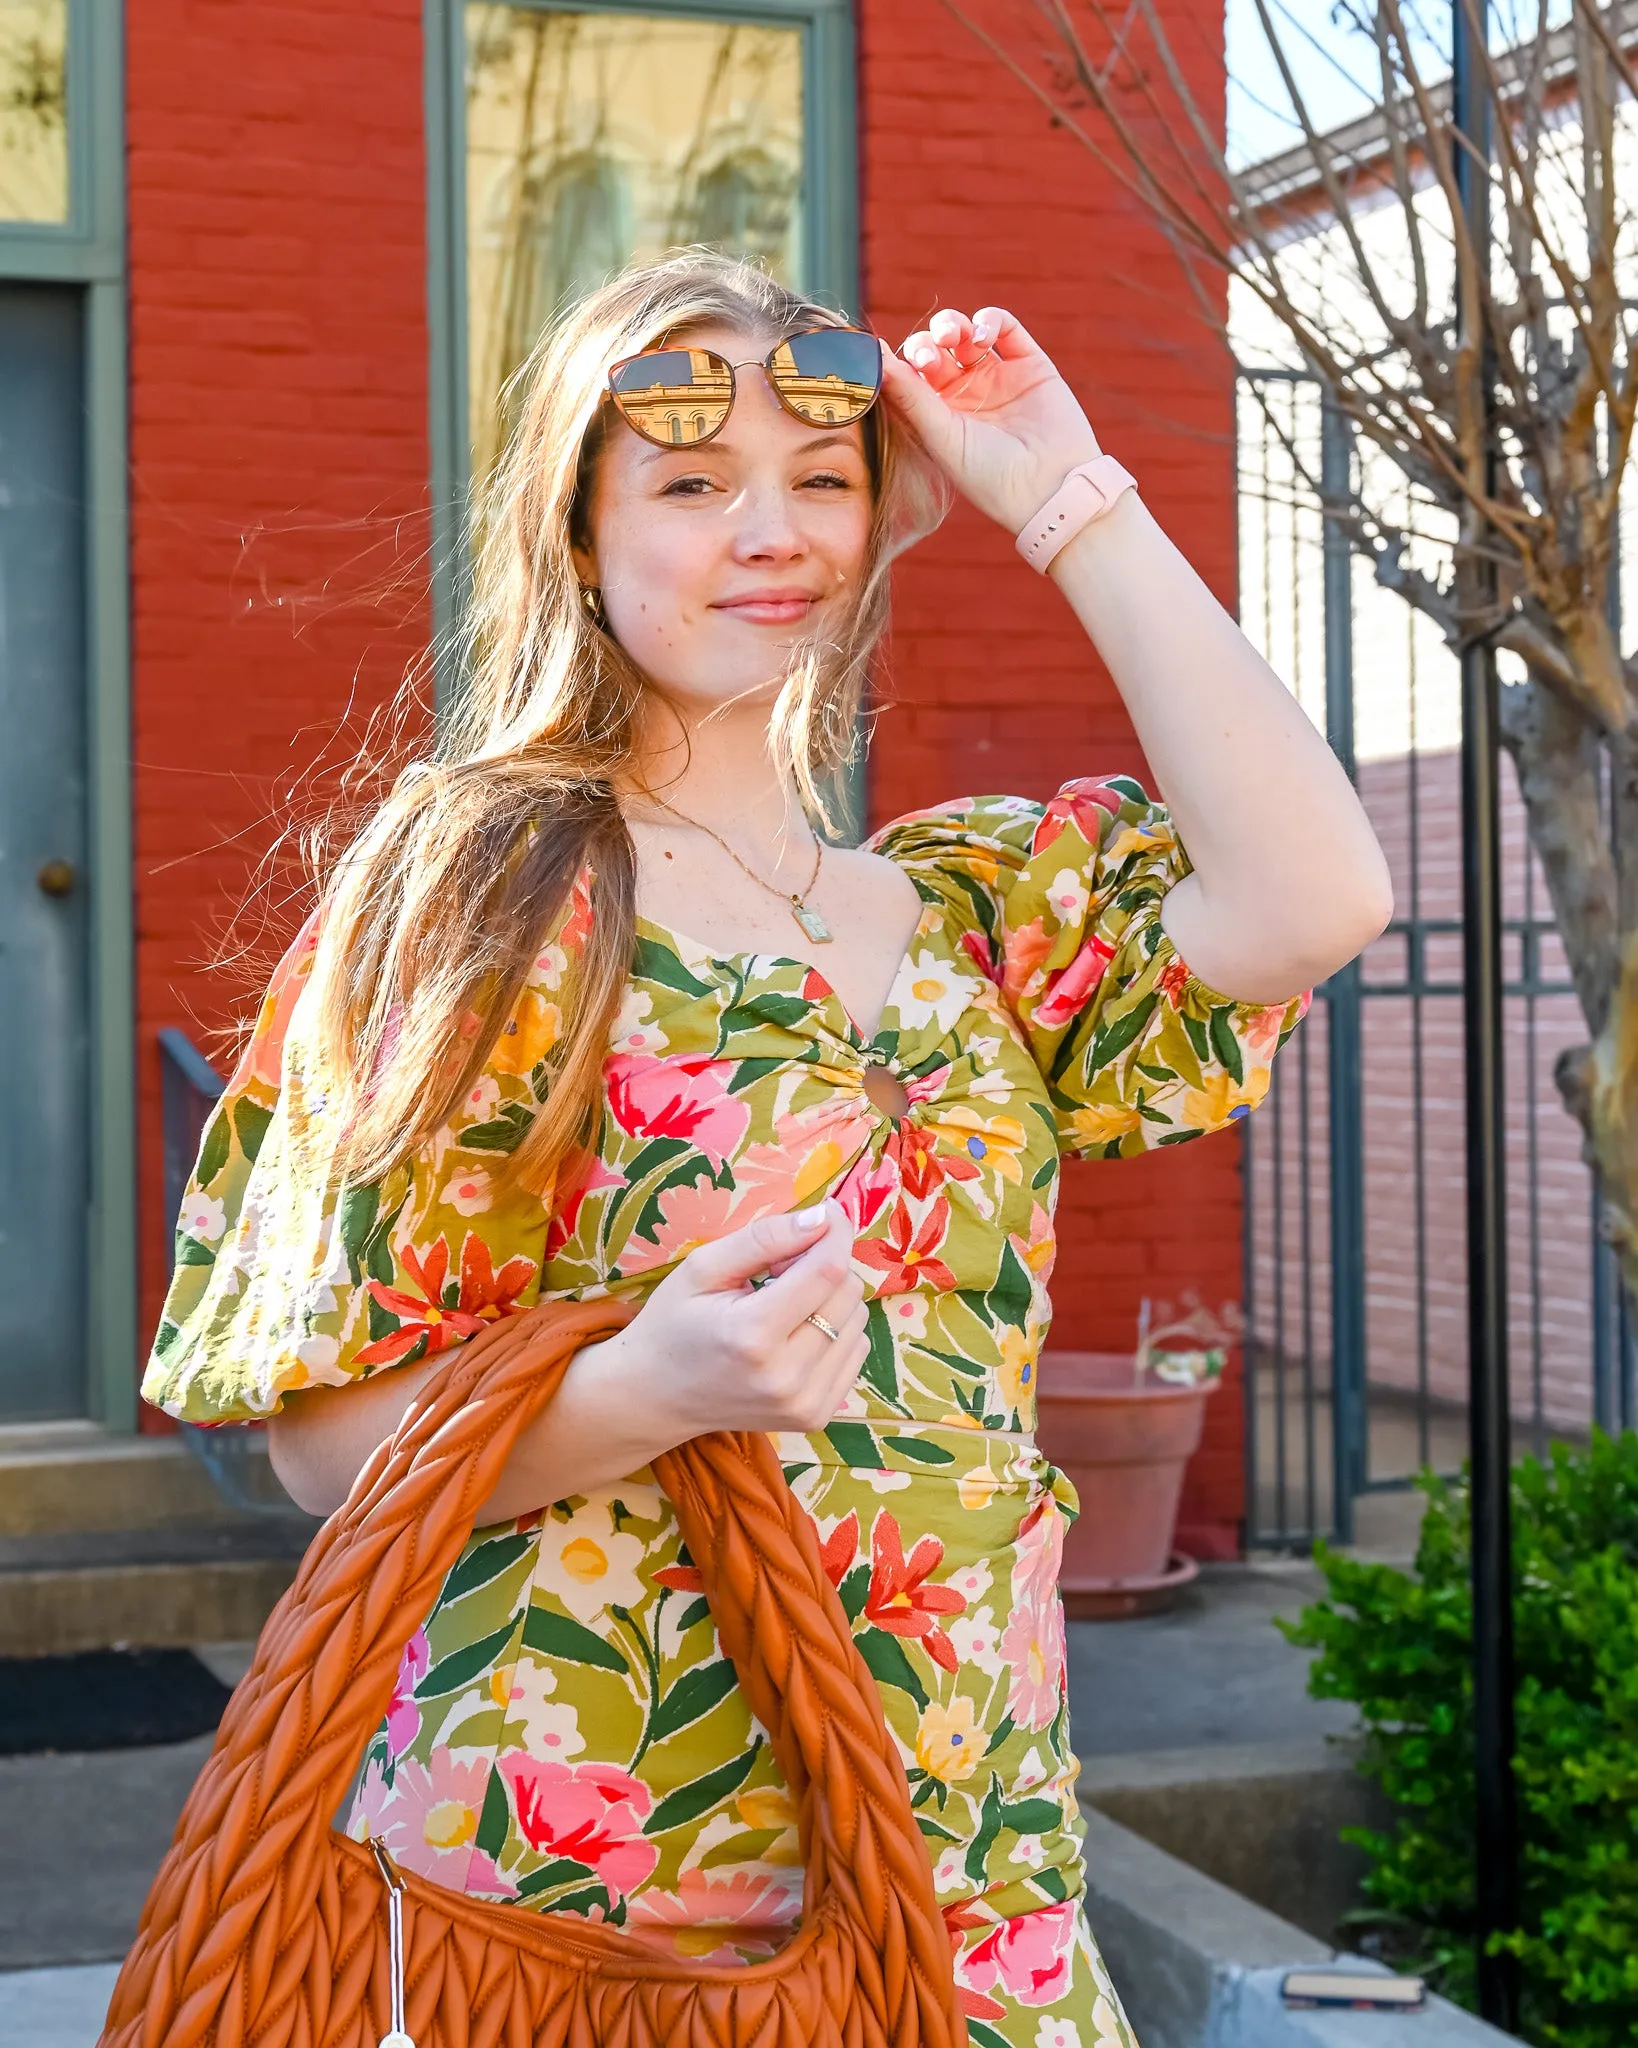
{"type": "Point", "coordinates": [1289, 883]}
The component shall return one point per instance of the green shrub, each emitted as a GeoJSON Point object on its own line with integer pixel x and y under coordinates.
{"type": "Point", "coordinates": [1399, 1645]}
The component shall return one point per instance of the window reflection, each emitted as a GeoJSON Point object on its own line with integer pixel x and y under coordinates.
{"type": "Point", "coordinates": [596, 138]}
{"type": "Point", "coordinates": [33, 110]}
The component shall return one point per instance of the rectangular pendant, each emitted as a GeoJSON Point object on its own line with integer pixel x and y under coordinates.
{"type": "Point", "coordinates": [812, 923]}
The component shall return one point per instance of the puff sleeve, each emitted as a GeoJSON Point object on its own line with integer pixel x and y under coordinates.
{"type": "Point", "coordinates": [1059, 904]}
{"type": "Point", "coordinates": [287, 1276]}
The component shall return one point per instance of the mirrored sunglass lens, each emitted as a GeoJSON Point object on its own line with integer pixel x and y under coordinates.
{"type": "Point", "coordinates": [674, 396]}
{"type": "Point", "coordinates": [831, 378]}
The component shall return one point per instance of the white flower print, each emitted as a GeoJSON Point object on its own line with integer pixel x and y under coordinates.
{"type": "Point", "coordinates": [319, 1355]}
{"type": "Point", "coordinates": [470, 1193]}
{"type": "Point", "coordinates": [931, 992]}
{"type": "Point", "coordinates": [880, 1481]}
{"type": "Point", "coordinates": [972, 1581]}
{"type": "Point", "coordinates": [1028, 1849]}
{"type": "Point", "coordinates": [479, 1100]}
{"type": "Point", "coordinates": [950, 1871]}
{"type": "Point", "coordinates": [907, 1314]}
{"type": "Point", "coordinates": [1053, 2033]}
{"type": "Point", "coordinates": [588, 1564]}
{"type": "Point", "coordinates": [632, 1031]}
{"type": "Point", "coordinates": [202, 1218]}
{"type": "Point", "coordinates": [1031, 1772]}
{"type": "Point", "coordinates": [977, 1641]}
{"type": "Point", "coordinates": [551, 964]}
{"type": "Point", "coordinates": [536, 1722]}
{"type": "Point", "coordinates": [1069, 895]}
{"type": "Point", "coordinates": [991, 1086]}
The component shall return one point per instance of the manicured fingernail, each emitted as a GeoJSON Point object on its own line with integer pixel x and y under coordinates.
{"type": "Point", "coordinates": [924, 358]}
{"type": "Point", "coordinates": [810, 1219]}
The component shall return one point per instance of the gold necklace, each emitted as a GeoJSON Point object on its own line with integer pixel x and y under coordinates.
{"type": "Point", "coordinates": [804, 913]}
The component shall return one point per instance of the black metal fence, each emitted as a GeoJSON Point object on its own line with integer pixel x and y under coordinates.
{"type": "Point", "coordinates": [1355, 1252]}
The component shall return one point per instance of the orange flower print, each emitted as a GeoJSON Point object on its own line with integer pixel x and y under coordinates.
{"type": "Point", "coordinates": [900, 1600]}
{"type": "Point", "coordinates": [1171, 981]}
{"type": "Point", "coordinates": [430, 1321]}
{"type": "Point", "coordinates": [905, 1256]}
{"type": "Point", "coordinates": [922, 1166]}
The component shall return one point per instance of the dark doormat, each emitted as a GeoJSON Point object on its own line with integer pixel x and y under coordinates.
{"type": "Point", "coordinates": [106, 1699]}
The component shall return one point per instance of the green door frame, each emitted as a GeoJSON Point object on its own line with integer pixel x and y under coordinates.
{"type": "Point", "coordinates": [88, 249]}
{"type": "Point", "coordinates": [830, 229]}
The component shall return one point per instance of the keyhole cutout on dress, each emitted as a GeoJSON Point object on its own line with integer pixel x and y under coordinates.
{"type": "Point", "coordinates": [886, 1091]}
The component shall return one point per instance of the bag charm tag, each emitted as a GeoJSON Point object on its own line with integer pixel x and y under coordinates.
{"type": "Point", "coordinates": [397, 2037]}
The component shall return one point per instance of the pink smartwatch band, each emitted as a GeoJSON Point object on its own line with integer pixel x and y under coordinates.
{"type": "Point", "coordinates": [1084, 495]}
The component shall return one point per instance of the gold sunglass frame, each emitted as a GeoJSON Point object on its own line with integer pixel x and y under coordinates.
{"type": "Point", "coordinates": [764, 363]}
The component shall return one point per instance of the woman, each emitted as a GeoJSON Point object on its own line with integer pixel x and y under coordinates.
{"type": "Point", "coordinates": [630, 1025]}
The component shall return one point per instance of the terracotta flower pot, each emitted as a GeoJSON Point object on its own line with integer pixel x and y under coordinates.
{"type": "Point", "coordinates": [1124, 1448]}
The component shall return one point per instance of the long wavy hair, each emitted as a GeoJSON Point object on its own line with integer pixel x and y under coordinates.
{"type": "Point", "coordinates": [432, 918]}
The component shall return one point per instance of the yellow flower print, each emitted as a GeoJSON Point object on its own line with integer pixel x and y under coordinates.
{"type": "Point", "coordinates": [948, 1741]}
{"type": "Point", "coordinates": [818, 1170]}
{"type": "Point", "coordinates": [1097, 1122]}
{"type": "Point", "coordinates": [1221, 1100]}
{"type": "Point", "coordinates": [530, 1033]}
{"type": "Point", "coordinates": [977, 1488]}
{"type": "Point", "coordinates": [1153, 837]}
{"type": "Point", "coordinates": [1019, 1350]}
{"type": "Point", "coordinates": [771, 1806]}
{"type": "Point", "coordinates": [995, 1142]}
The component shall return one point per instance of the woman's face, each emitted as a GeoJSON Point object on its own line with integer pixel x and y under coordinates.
{"type": "Point", "coordinates": [715, 561]}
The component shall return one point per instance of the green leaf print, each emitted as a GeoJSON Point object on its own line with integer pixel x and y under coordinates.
{"type": "Point", "coordinates": [745, 1073]}
{"type": "Point", "coordinates": [652, 962]}
{"type": "Point", "coordinates": [923, 1452]}
{"type": "Point", "coordinates": [999, 1736]}
{"type": "Point", "coordinates": [967, 1367]}
{"type": "Point", "coordinates": [1199, 1036]}
{"type": "Point", "coordinates": [889, 1665]}
{"type": "Point", "coordinates": [250, 1121]}
{"type": "Point", "coordinates": [854, 1591]}
{"type": "Point", "coordinates": [693, 1614]}
{"type": "Point", "coordinates": [496, 1817]}
{"type": "Point", "coordinates": [784, 1012]}
{"type": "Point", "coordinates": [355, 1219]}
{"type": "Point", "coordinates": [487, 1562]}
{"type": "Point", "coordinates": [692, 1698]}
{"type": "Point", "coordinates": [213, 1152]}
{"type": "Point", "coordinates": [1051, 1881]}
{"type": "Point", "coordinates": [190, 1252]}
{"type": "Point", "coordinates": [1114, 1038]}
{"type": "Point", "coordinates": [1013, 1294]}
{"type": "Point", "coordinates": [688, 1802]}
{"type": "Point", "coordinates": [989, 1826]}
{"type": "Point", "coordinates": [561, 1870]}
{"type": "Point", "coordinates": [931, 1829]}
{"type": "Point", "coordinates": [1032, 1816]}
{"type": "Point", "coordinates": [855, 1444]}
{"type": "Point", "coordinates": [1226, 1045]}
{"type": "Point", "coordinates": [594, 1898]}
{"type": "Point", "coordinates": [461, 1666]}
{"type": "Point", "coordinates": [560, 1635]}
{"type": "Point", "coordinates": [982, 2036]}
{"type": "Point", "coordinates": [880, 1369]}
{"type": "Point", "coordinates": [503, 1132]}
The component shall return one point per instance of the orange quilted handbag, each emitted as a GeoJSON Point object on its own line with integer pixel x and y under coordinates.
{"type": "Point", "coordinates": [267, 1929]}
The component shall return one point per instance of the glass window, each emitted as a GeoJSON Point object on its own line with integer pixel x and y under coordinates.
{"type": "Point", "coordinates": [33, 110]}
{"type": "Point", "coordinates": [595, 138]}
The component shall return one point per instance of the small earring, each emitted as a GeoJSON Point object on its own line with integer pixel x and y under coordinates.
{"type": "Point", "coordinates": [592, 598]}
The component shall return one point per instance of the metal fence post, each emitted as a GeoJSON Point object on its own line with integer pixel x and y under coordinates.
{"type": "Point", "coordinates": [1343, 1036]}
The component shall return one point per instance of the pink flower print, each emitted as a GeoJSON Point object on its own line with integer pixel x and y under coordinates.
{"type": "Point", "coordinates": [677, 1098]}
{"type": "Point", "coordinates": [977, 946]}
{"type": "Point", "coordinates": [1029, 1956]}
{"type": "Point", "coordinates": [1033, 1641]}
{"type": "Point", "coordinates": [580, 1175]}
{"type": "Point", "coordinates": [1023, 954]}
{"type": "Point", "coordinates": [428, 1819]}
{"type": "Point", "coordinates": [710, 1913]}
{"type": "Point", "coordinates": [689, 1216]}
{"type": "Point", "coordinates": [866, 1189]}
{"type": "Point", "coordinates": [590, 1812]}
{"type": "Point", "coordinates": [1067, 991]}
{"type": "Point", "coordinates": [403, 1715]}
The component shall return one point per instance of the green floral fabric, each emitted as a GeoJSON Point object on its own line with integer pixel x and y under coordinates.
{"type": "Point", "coordinates": [565, 1731]}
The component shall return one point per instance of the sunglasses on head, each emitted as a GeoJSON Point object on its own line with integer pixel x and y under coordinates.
{"type": "Point", "coordinates": [679, 397]}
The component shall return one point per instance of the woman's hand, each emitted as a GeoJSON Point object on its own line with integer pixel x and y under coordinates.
{"type": "Point", "coordinates": [717, 1353]}
{"type": "Point", "coordinates": [987, 403]}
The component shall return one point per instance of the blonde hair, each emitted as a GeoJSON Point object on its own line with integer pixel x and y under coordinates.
{"type": "Point", "coordinates": [436, 912]}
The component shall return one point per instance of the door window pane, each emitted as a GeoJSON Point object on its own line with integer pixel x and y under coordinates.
{"type": "Point", "coordinates": [595, 138]}
{"type": "Point", "coordinates": [33, 110]}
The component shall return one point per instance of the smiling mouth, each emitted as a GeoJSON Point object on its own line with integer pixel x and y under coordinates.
{"type": "Point", "coordinates": [781, 609]}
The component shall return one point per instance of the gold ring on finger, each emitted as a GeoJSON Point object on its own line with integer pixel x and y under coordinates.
{"type": "Point", "coordinates": [825, 1329]}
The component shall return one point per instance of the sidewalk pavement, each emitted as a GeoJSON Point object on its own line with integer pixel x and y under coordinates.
{"type": "Point", "coordinates": [1213, 1671]}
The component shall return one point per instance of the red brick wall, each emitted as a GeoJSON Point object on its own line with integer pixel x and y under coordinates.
{"type": "Point", "coordinates": [971, 197]}
{"type": "Point", "coordinates": [278, 451]}
{"type": "Point", "coordinates": [279, 403]}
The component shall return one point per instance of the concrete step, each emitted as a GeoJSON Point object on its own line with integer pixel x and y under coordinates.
{"type": "Point", "coordinates": [61, 1476]}
{"type": "Point", "coordinates": [92, 1590]}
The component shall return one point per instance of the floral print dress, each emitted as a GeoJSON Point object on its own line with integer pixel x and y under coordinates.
{"type": "Point", "coordinates": [566, 1732]}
